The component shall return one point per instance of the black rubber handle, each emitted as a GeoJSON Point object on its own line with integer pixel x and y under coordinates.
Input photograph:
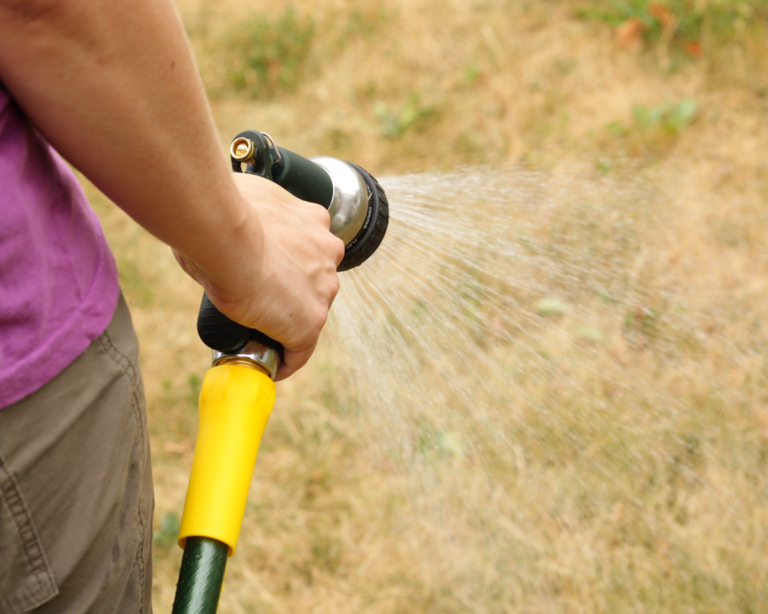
{"type": "Point", "coordinates": [220, 333]}
{"type": "Point", "coordinates": [217, 331]}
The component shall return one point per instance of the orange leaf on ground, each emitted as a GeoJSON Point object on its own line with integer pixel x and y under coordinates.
{"type": "Point", "coordinates": [662, 13]}
{"type": "Point", "coordinates": [694, 49]}
{"type": "Point", "coordinates": [629, 34]}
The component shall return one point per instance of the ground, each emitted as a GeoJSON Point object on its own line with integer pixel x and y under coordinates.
{"type": "Point", "coordinates": [631, 473]}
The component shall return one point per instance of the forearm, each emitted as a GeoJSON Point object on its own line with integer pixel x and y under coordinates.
{"type": "Point", "coordinates": [113, 86]}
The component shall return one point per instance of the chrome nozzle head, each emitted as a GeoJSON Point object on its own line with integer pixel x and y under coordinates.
{"type": "Point", "coordinates": [350, 198]}
{"type": "Point", "coordinates": [359, 209]}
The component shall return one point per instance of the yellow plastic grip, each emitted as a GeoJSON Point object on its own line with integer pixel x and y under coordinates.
{"type": "Point", "coordinates": [235, 404]}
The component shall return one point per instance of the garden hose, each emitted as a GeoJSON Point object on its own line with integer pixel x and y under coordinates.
{"type": "Point", "coordinates": [201, 576]}
{"type": "Point", "coordinates": [238, 392]}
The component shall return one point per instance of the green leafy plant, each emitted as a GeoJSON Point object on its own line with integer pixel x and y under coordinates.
{"type": "Point", "coordinates": [166, 535]}
{"type": "Point", "coordinates": [268, 54]}
{"type": "Point", "coordinates": [471, 74]}
{"type": "Point", "coordinates": [670, 118]}
{"type": "Point", "coordinates": [657, 121]}
{"type": "Point", "coordinates": [193, 391]}
{"type": "Point", "coordinates": [395, 123]}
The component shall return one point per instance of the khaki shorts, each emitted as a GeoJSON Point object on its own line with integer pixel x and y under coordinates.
{"type": "Point", "coordinates": [76, 495]}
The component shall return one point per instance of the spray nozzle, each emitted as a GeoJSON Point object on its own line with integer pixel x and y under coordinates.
{"type": "Point", "coordinates": [359, 216]}
{"type": "Point", "coordinates": [357, 203]}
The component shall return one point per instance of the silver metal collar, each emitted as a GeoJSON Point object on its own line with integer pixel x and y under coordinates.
{"type": "Point", "coordinates": [254, 352]}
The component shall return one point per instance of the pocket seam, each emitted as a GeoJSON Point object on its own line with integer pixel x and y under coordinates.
{"type": "Point", "coordinates": [45, 586]}
{"type": "Point", "coordinates": [128, 369]}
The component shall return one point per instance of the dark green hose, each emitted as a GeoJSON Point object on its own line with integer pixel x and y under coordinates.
{"type": "Point", "coordinates": [200, 576]}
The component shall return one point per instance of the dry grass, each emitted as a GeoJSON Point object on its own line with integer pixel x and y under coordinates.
{"type": "Point", "coordinates": [637, 476]}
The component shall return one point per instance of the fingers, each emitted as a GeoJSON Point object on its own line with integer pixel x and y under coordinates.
{"type": "Point", "coordinates": [295, 359]}
{"type": "Point", "coordinates": [335, 245]}
{"type": "Point", "coordinates": [292, 362]}
{"type": "Point", "coordinates": [320, 214]}
{"type": "Point", "coordinates": [335, 286]}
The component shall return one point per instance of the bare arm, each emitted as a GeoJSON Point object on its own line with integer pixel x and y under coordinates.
{"type": "Point", "coordinates": [113, 86]}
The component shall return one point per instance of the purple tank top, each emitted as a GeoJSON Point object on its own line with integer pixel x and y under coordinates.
{"type": "Point", "coordinates": [58, 280]}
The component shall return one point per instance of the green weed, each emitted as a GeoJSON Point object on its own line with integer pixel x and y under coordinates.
{"type": "Point", "coordinates": [657, 125]}
{"type": "Point", "coordinates": [670, 118]}
{"type": "Point", "coordinates": [269, 54]}
{"type": "Point", "coordinates": [362, 21]}
{"type": "Point", "coordinates": [166, 535]}
{"type": "Point", "coordinates": [603, 166]}
{"type": "Point", "coordinates": [194, 384]}
{"type": "Point", "coordinates": [551, 307]}
{"type": "Point", "coordinates": [471, 74]}
{"type": "Point", "coordinates": [396, 123]}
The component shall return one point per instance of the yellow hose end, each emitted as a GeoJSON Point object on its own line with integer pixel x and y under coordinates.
{"type": "Point", "coordinates": [235, 404]}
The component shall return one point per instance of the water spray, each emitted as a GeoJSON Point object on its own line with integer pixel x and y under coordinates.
{"type": "Point", "coordinates": [238, 392]}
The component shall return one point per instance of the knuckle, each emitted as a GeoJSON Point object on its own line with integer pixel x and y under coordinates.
{"type": "Point", "coordinates": [321, 214]}
{"type": "Point", "coordinates": [339, 250]}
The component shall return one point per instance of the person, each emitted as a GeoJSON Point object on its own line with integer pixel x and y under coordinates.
{"type": "Point", "coordinates": [112, 88]}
